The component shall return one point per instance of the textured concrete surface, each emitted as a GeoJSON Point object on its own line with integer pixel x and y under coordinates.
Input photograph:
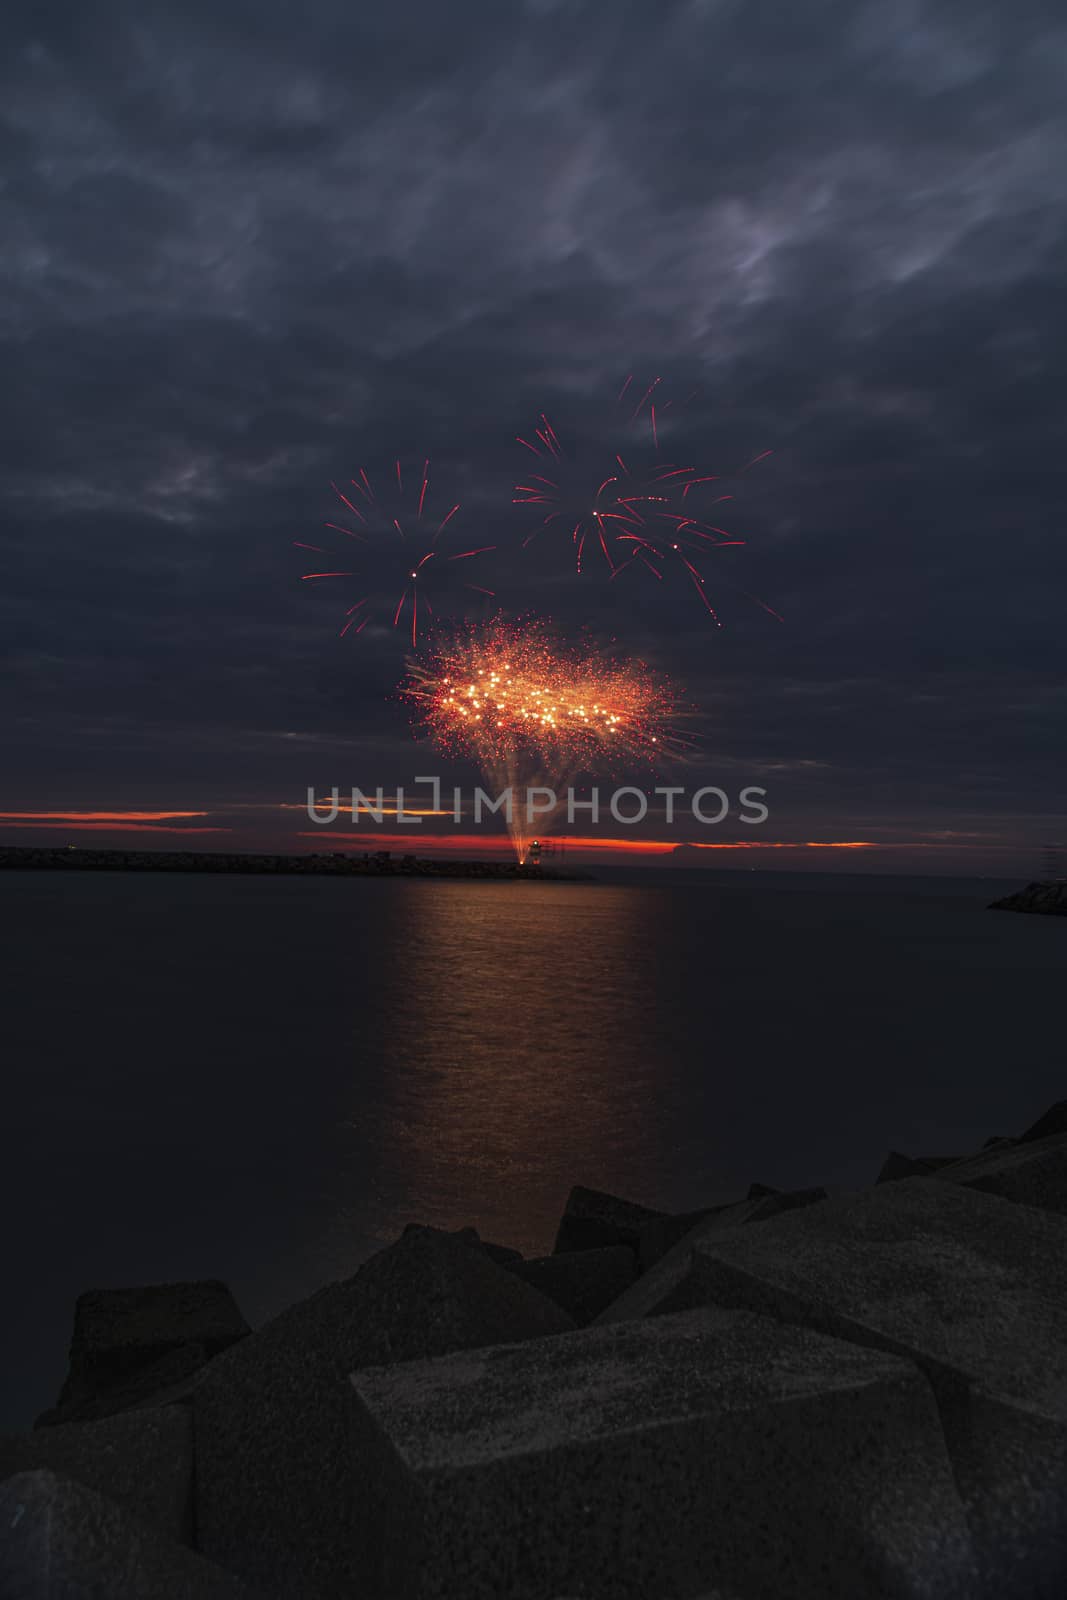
{"type": "Point", "coordinates": [897, 1166]}
{"type": "Point", "coordinates": [502, 1254]}
{"type": "Point", "coordinates": [657, 1239]}
{"type": "Point", "coordinates": [143, 1461]}
{"type": "Point", "coordinates": [583, 1282]}
{"type": "Point", "coordinates": [592, 1219]}
{"type": "Point", "coordinates": [61, 1541]}
{"type": "Point", "coordinates": [1054, 1120]}
{"type": "Point", "coordinates": [274, 1498]}
{"type": "Point", "coordinates": [658, 1457]}
{"type": "Point", "coordinates": [1032, 1172]}
{"type": "Point", "coordinates": [859, 1397]}
{"type": "Point", "coordinates": [645, 1296]}
{"type": "Point", "coordinates": [98, 1395]}
{"type": "Point", "coordinates": [134, 1324]}
{"type": "Point", "coordinates": [972, 1288]}
{"type": "Point", "coordinates": [130, 1343]}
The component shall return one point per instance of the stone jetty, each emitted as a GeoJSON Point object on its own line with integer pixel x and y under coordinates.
{"type": "Point", "coordinates": [787, 1396]}
{"type": "Point", "coordinates": [334, 863]}
{"type": "Point", "coordinates": [1049, 899]}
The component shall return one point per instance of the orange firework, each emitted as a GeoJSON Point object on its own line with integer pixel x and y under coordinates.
{"type": "Point", "coordinates": [534, 711]}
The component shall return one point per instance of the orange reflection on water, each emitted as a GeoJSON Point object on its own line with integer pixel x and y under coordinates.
{"type": "Point", "coordinates": [494, 1106]}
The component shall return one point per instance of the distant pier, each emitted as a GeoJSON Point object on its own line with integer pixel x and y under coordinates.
{"type": "Point", "coordinates": [335, 864]}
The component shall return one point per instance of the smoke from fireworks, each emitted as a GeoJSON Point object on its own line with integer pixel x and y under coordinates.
{"type": "Point", "coordinates": [392, 553]}
{"type": "Point", "coordinates": [534, 711]}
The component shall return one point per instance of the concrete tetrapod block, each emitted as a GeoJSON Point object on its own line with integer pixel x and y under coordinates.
{"type": "Point", "coordinates": [1033, 1173]}
{"type": "Point", "coordinates": [658, 1238]}
{"type": "Point", "coordinates": [658, 1457]}
{"type": "Point", "coordinates": [583, 1282]}
{"type": "Point", "coordinates": [142, 1461]}
{"type": "Point", "coordinates": [120, 1327]}
{"type": "Point", "coordinates": [645, 1297]}
{"type": "Point", "coordinates": [971, 1288]}
{"type": "Point", "coordinates": [273, 1494]}
{"type": "Point", "coordinates": [708, 1594]}
{"type": "Point", "coordinates": [61, 1541]}
{"type": "Point", "coordinates": [1054, 1120]}
{"type": "Point", "coordinates": [172, 1377]}
{"type": "Point", "coordinates": [502, 1254]}
{"type": "Point", "coordinates": [592, 1219]}
{"type": "Point", "coordinates": [127, 1341]}
{"type": "Point", "coordinates": [897, 1166]}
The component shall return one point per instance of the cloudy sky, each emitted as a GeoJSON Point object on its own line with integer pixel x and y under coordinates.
{"type": "Point", "coordinates": [251, 249]}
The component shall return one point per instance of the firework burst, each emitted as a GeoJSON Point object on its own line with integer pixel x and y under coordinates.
{"type": "Point", "coordinates": [669, 531]}
{"type": "Point", "coordinates": [534, 711]}
{"type": "Point", "coordinates": [387, 539]}
{"type": "Point", "coordinates": [636, 510]}
{"type": "Point", "coordinates": [592, 501]}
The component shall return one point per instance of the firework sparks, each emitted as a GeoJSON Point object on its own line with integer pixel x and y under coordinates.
{"type": "Point", "coordinates": [668, 531]}
{"type": "Point", "coordinates": [593, 502]}
{"type": "Point", "coordinates": [393, 551]}
{"type": "Point", "coordinates": [636, 510]}
{"type": "Point", "coordinates": [534, 711]}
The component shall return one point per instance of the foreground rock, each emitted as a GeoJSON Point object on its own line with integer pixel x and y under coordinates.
{"type": "Point", "coordinates": [63, 1542]}
{"type": "Point", "coordinates": [1032, 1172]}
{"type": "Point", "coordinates": [897, 1166]}
{"type": "Point", "coordinates": [1049, 898]}
{"type": "Point", "coordinates": [658, 1458]}
{"type": "Point", "coordinates": [502, 1254]}
{"type": "Point", "coordinates": [172, 1377]}
{"type": "Point", "coordinates": [275, 1496]}
{"type": "Point", "coordinates": [142, 1461]}
{"type": "Point", "coordinates": [972, 1289]}
{"type": "Point", "coordinates": [592, 1220]}
{"type": "Point", "coordinates": [1054, 1120]}
{"type": "Point", "coordinates": [130, 1345]}
{"type": "Point", "coordinates": [647, 1295]}
{"type": "Point", "coordinates": [797, 1396]}
{"type": "Point", "coordinates": [583, 1282]}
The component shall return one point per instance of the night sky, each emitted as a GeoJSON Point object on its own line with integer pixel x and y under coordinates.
{"type": "Point", "coordinates": [250, 249]}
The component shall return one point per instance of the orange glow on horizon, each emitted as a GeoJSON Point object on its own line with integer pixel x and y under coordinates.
{"type": "Point", "coordinates": [134, 829]}
{"type": "Point", "coordinates": [98, 816]}
{"type": "Point", "coordinates": [449, 843]}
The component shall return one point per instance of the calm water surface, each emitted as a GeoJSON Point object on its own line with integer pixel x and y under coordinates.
{"type": "Point", "coordinates": [264, 1079]}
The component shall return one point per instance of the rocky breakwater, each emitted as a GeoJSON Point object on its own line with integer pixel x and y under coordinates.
{"type": "Point", "coordinates": [792, 1395]}
{"type": "Point", "coordinates": [1047, 898]}
{"type": "Point", "coordinates": [336, 863]}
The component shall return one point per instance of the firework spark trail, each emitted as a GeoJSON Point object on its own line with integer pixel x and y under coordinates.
{"type": "Point", "coordinates": [533, 711]}
{"type": "Point", "coordinates": [667, 532]}
{"type": "Point", "coordinates": [565, 489]}
{"type": "Point", "coordinates": [388, 522]}
{"type": "Point", "coordinates": [639, 512]}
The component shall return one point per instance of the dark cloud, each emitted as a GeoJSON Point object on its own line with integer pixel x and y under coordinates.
{"type": "Point", "coordinates": [249, 250]}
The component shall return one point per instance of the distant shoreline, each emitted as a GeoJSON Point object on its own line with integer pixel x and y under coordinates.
{"type": "Point", "coordinates": [337, 864]}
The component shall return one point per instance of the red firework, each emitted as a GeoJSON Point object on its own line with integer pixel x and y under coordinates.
{"type": "Point", "coordinates": [638, 511]}
{"type": "Point", "coordinates": [668, 531]}
{"type": "Point", "coordinates": [400, 558]}
{"type": "Point", "coordinates": [587, 503]}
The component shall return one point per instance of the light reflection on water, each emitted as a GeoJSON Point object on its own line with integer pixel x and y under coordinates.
{"type": "Point", "coordinates": [263, 1079]}
{"type": "Point", "coordinates": [515, 1021]}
